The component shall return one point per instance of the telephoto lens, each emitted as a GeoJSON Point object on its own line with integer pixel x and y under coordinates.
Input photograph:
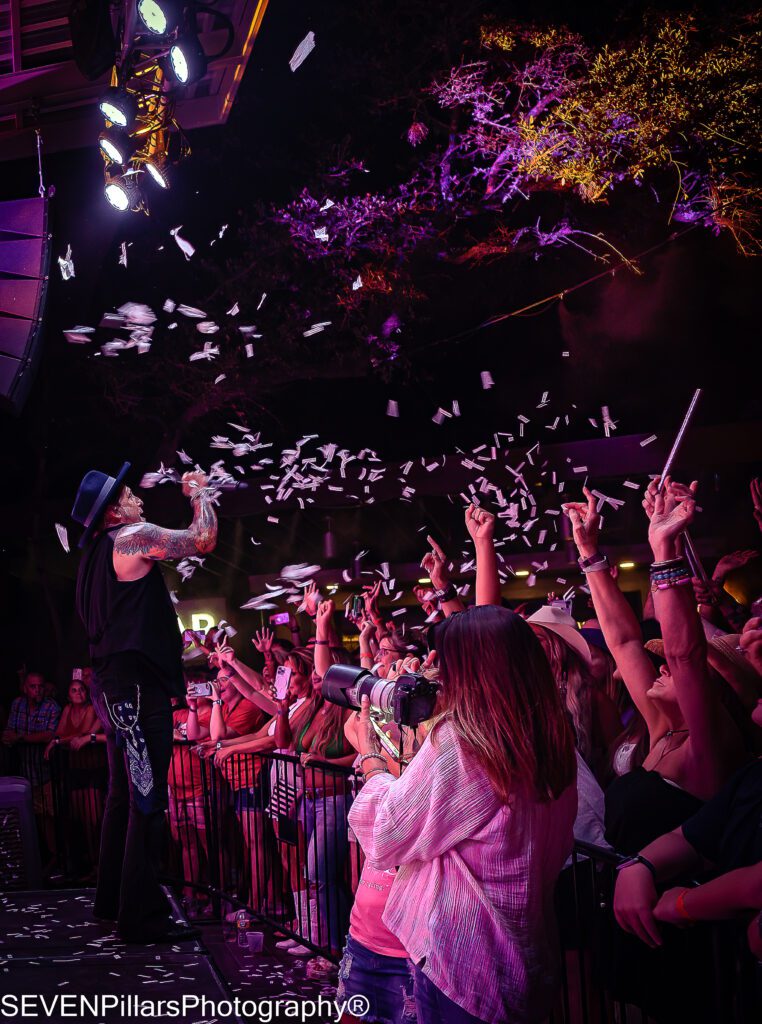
{"type": "Point", "coordinates": [407, 700]}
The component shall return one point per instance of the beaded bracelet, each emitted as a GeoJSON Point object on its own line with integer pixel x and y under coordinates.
{"type": "Point", "coordinates": [669, 584]}
{"type": "Point", "coordinates": [366, 757]}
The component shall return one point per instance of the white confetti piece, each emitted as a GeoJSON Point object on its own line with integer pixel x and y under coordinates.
{"type": "Point", "coordinates": [169, 306]}
{"type": "Point", "coordinates": [486, 379]}
{"type": "Point", "coordinates": [207, 327]}
{"type": "Point", "coordinates": [66, 263]}
{"type": "Point", "coordinates": [392, 409]}
{"type": "Point", "coordinates": [185, 246]}
{"type": "Point", "coordinates": [63, 537]}
{"type": "Point", "coordinates": [262, 301]}
{"type": "Point", "coordinates": [302, 52]}
{"type": "Point", "coordinates": [79, 335]}
{"type": "Point", "coordinates": [218, 380]}
{"type": "Point", "coordinates": [648, 440]}
{"type": "Point", "coordinates": [234, 310]}
{"type": "Point", "coordinates": [209, 352]}
{"type": "Point", "coordinates": [357, 283]}
{"type": "Point", "coordinates": [191, 311]}
{"type": "Point", "coordinates": [123, 255]}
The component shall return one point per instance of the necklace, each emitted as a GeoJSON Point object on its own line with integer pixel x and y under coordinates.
{"type": "Point", "coordinates": [666, 749]}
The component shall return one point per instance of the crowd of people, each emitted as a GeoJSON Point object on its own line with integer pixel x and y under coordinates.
{"type": "Point", "coordinates": [641, 734]}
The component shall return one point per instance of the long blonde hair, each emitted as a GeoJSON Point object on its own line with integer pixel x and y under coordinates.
{"type": "Point", "coordinates": [498, 693]}
{"type": "Point", "coordinates": [575, 686]}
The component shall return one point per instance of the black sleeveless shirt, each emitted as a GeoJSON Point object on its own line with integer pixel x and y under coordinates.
{"type": "Point", "coordinates": [641, 806]}
{"type": "Point", "coordinates": [128, 616]}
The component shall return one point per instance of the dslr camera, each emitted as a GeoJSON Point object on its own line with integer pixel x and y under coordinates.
{"type": "Point", "coordinates": [407, 700]}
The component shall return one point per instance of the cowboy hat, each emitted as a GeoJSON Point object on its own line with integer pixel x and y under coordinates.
{"type": "Point", "coordinates": [96, 492]}
{"type": "Point", "coordinates": [563, 625]}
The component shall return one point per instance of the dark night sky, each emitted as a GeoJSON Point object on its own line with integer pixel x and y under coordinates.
{"type": "Point", "coordinates": [638, 344]}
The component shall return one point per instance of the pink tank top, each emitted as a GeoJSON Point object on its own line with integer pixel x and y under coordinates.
{"type": "Point", "coordinates": [365, 924]}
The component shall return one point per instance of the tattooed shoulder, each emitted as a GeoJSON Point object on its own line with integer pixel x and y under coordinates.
{"type": "Point", "coordinates": [149, 541]}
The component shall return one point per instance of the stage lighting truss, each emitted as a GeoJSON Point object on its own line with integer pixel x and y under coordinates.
{"type": "Point", "coordinates": [142, 139]}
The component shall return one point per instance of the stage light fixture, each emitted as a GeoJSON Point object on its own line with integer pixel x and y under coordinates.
{"type": "Point", "coordinates": [119, 107]}
{"type": "Point", "coordinates": [187, 60]}
{"type": "Point", "coordinates": [158, 169]}
{"type": "Point", "coordinates": [122, 192]}
{"type": "Point", "coordinates": [160, 17]}
{"type": "Point", "coordinates": [116, 145]}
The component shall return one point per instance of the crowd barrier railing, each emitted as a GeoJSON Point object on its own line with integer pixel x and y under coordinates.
{"type": "Point", "coordinates": [265, 834]}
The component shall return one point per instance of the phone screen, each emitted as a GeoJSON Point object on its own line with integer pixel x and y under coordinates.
{"type": "Point", "coordinates": [282, 679]}
{"type": "Point", "coordinates": [200, 690]}
{"type": "Point", "coordinates": [280, 619]}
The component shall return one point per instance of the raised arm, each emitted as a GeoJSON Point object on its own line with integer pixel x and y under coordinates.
{"type": "Point", "coordinates": [620, 627]}
{"type": "Point", "coordinates": [324, 633]}
{"type": "Point", "coordinates": [139, 543]}
{"type": "Point", "coordinates": [246, 680]}
{"type": "Point", "coordinates": [481, 527]}
{"type": "Point", "coordinates": [713, 735]}
{"type": "Point", "coordinates": [434, 562]}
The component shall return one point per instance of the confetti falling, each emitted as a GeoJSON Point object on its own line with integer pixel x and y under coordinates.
{"type": "Point", "coordinates": [302, 52]}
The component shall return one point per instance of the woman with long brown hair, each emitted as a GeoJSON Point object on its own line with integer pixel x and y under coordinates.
{"type": "Point", "coordinates": [480, 825]}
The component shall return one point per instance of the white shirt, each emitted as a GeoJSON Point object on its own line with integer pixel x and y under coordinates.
{"type": "Point", "coordinates": [474, 890]}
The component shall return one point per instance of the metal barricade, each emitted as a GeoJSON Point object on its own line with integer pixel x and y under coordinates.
{"type": "Point", "coordinates": [263, 833]}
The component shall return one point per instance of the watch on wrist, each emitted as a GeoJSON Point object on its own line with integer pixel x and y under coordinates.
{"type": "Point", "coordinates": [93, 738]}
{"type": "Point", "coordinates": [218, 702]}
{"type": "Point", "coordinates": [218, 745]}
{"type": "Point", "coordinates": [447, 593]}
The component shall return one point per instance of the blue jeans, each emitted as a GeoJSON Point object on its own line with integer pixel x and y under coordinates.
{"type": "Point", "coordinates": [325, 831]}
{"type": "Point", "coordinates": [385, 981]}
{"type": "Point", "coordinates": [434, 1007]}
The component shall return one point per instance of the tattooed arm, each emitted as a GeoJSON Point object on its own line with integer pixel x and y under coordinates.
{"type": "Point", "coordinates": [139, 544]}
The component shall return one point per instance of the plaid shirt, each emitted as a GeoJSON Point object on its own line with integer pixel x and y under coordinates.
{"type": "Point", "coordinates": [26, 718]}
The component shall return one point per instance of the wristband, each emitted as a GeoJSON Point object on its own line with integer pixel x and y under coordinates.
{"type": "Point", "coordinates": [322, 643]}
{"type": "Point", "coordinates": [682, 909]}
{"type": "Point", "coordinates": [670, 563]}
{"type": "Point", "coordinates": [595, 563]}
{"type": "Point", "coordinates": [376, 771]}
{"type": "Point", "coordinates": [93, 738]}
{"type": "Point", "coordinates": [218, 702]}
{"type": "Point", "coordinates": [218, 745]}
{"type": "Point", "coordinates": [637, 859]}
{"type": "Point", "coordinates": [448, 593]}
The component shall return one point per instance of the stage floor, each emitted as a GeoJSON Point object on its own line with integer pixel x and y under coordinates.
{"type": "Point", "coordinates": [50, 947]}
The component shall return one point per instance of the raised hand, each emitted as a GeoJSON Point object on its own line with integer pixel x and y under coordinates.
{"type": "Point", "coordinates": [311, 599]}
{"type": "Point", "coordinates": [586, 523]}
{"type": "Point", "coordinates": [679, 491]}
{"type": "Point", "coordinates": [370, 597]}
{"type": "Point", "coordinates": [324, 614]}
{"type": "Point", "coordinates": [434, 562]}
{"type": "Point", "coordinates": [367, 631]}
{"type": "Point", "coordinates": [263, 641]}
{"type": "Point", "coordinates": [224, 653]}
{"type": "Point", "coordinates": [673, 510]}
{"type": "Point", "coordinates": [751, 643]}
{"type": "Point", "coordinates": [480, 523]}
{"type": "Point", "coordinates": [193, 482]}
{"type": "Point", "coordinates": [728, 563]}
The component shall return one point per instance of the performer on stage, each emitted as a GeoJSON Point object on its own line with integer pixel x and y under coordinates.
{"type": "Point", "coordinates": [135, 648]}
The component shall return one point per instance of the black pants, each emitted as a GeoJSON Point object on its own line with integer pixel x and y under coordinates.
{"type": "Point", "coordinates": [132, 840]}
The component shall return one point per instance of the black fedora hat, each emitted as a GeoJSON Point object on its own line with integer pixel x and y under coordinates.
{"type": "Point", "coordinates": [96, 492]}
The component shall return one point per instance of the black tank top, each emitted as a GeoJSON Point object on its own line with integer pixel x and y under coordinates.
{"type": "Point", "coordinates": [640, 806]}
{"type": "Point", "coordinates": [128, 616]}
